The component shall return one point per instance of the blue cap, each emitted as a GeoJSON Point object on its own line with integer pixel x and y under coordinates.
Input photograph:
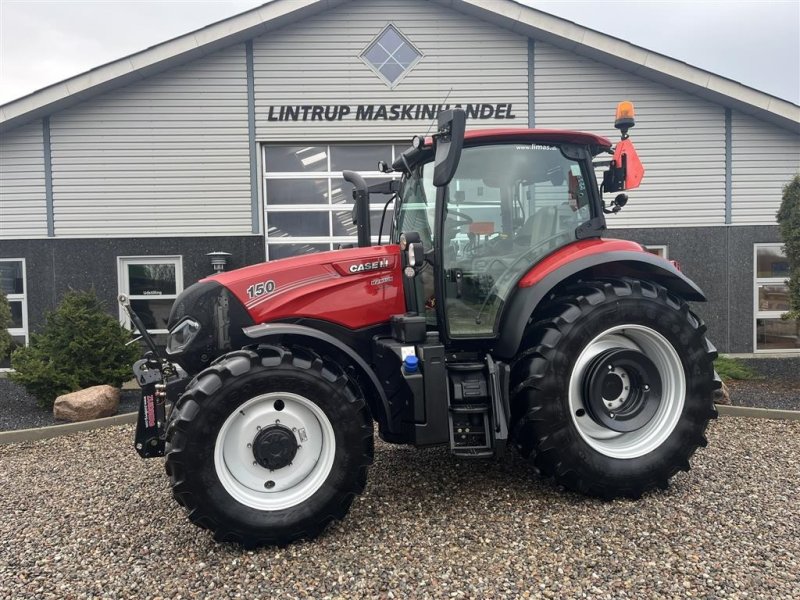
{"type": "Point", "coordinates": [411, 363]}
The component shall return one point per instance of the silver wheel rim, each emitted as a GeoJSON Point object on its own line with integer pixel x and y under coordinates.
{"type": "Point", "coordinates": [653, 434]}
{"type": "Point", "coordinates": [258, 487]}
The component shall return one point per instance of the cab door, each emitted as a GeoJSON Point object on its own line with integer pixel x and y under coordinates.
{"type": "Point", "coordinates": [507, 207]}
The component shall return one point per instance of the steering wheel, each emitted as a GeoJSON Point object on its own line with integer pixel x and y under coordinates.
{"type": "Point", "coordinates": [461, 218]}
{"type": "Point", "coordinates": [513, 264]}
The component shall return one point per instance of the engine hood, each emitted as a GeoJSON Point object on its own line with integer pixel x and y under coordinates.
{"type": "Point", "coordinates": [354, 288]}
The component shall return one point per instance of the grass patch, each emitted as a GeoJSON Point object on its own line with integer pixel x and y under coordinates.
{"type": "Point", "coordinates": [731, 368]}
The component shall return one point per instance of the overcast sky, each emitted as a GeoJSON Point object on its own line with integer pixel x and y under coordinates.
{"type": "Point", "coordinates": [755, 43]}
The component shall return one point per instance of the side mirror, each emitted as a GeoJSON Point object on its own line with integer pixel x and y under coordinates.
{"type": "Point", "coordinates": [449, 141]}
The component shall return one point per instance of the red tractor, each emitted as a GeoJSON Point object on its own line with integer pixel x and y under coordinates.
{"type": "Point", "coordinates": [497, 314]}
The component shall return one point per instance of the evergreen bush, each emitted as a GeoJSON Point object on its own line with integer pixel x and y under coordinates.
{"type": "Point", "coordinates": [6, 341]}
{"type": "Point", "coordinates": [789, 221]}
{"type": "Point", "coordinates": [80, 345]}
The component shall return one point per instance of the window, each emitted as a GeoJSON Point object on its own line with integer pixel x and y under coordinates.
{"type": "Point", "coordinates": [307, 203]}
{"type": "Point", "coordinates": [658, 251]}
{"type": "Point", "coordinates": [771, 299]}
{"type": "Point", "coordinates": [391, 55]}
{"type": "Point", "coordinates": [12, 283]}
{"type": "Point", "coordinates": [152, 283]}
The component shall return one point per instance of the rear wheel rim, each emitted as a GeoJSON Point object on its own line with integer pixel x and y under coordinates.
{"type": "Point", "coordinates": [658, 351]}
{"type": "Point", "coordinates": [239, 453]}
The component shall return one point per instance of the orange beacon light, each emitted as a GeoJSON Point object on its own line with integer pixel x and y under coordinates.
{"type": "Point", "coordinates": [625, 117]}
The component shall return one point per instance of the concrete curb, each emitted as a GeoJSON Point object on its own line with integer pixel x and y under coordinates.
{"type": "Point", "coordinates": [44, 433]}
{"type": "Point", "coordinates": [758, 413]}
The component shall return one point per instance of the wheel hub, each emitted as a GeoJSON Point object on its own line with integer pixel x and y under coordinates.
{"type": "Point", "coordinates": [622, 390]}
{"type": "Point", "coordinates": [275, 447]}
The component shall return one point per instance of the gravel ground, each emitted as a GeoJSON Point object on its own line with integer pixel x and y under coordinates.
{"type": "Point", "coordinates": [82, 517]}
{"type": "Point", "coordinates": [761, 393]}
{"type": "Point", "coordinates": [19, 410]}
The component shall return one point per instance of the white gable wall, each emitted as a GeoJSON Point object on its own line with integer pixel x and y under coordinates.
{"type": "Point", "coordinates": [680, 138]}
{"type": "Point", "coordinates": [317, 62]}
{"type": "Point", "coordinates": [23, 209]}
{"type": "Point", "coordinates": [164, 156]}
{"type": "Point", "coordinates": [765, 158]}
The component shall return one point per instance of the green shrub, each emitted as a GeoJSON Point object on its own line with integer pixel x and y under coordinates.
{"type": "Point", "coordinates": [789, 221]}
{"type": "Point", "coordinates": [730, 368]}
{"type": "Point", "coordinates": [80, 346]}
{"type": "Point", "coordinates": [6, 341]}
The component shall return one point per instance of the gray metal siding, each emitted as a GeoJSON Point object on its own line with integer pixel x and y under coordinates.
{"type": "Point", "coordinates": [23, 209]}
{"type": "Point", "coordinates": [764, 159]}
{"type": "Point", "coordinates": [317, 62]}
{"type": "Point", "coordinates": [164, 156]}
{"type": "Point", "coordinates": [680, 138]}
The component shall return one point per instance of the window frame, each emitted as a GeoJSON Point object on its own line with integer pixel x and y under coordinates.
{"type": "Point", "coordinates": [330, 208]}
{"type": "Point", "coordinates": [123, 283]}
{"type": "Point", "coordinates": [23, 331]}
{"type": "Point", "coordinates": [660, 250]}
{"type": "Point", "coordinates": [376, 70]}
{"type": "Point", "coordinates": [766, 314]}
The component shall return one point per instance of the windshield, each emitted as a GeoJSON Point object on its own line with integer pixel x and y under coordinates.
{"type": "Point", "coordinates": [508, 206]}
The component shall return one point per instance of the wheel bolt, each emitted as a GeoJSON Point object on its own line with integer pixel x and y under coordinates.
{"type": "Point", "coordinates": [269, 484]}
{"type": "Point", "coordinates": [249, 445]}
{"type": "Point", "coordinates": [610, 367]}
{"type": "Point", "coordinates": [258, 427]}
{"type": "Point", "coordinates": [647, 388]}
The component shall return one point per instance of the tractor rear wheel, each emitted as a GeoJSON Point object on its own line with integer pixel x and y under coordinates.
{"type": "Point", "coordinates": [269, 445]}
{"type": "Point", "coordinates": [612, 390]}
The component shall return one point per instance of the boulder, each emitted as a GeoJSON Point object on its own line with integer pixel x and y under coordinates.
{"type": "Point", "coordinates": [722, 395]}
{"type": "Point", "coordinates": [84, 405]}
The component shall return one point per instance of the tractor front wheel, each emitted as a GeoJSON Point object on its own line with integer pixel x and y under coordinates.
{"type": "Point", "coordinates": [269, 445]}
{"type": "Point", "coordinates": [613, 388]}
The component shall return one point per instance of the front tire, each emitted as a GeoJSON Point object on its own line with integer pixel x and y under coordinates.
{"type": "Point", "coordinates": [613, 388]}
{"type": "Point", "coordinates": [269, 445]}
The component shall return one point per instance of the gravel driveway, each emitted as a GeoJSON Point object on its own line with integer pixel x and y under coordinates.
{"type": "Point", "coordinates": [82, 516]}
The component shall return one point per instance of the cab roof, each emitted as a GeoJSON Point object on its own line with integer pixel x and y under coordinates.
{"type": "Point", "coordinates": [553, 136]}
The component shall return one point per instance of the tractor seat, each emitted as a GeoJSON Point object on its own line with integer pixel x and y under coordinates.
{"type": "Point", "coordinates": [539, 226]}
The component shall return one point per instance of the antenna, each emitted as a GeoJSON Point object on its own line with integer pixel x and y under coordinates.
{"type": "Point", "coordinates": [450, 91]}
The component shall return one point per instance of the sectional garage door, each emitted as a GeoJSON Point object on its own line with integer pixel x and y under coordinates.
{"type": "Point", "coordinates": [308, 206]}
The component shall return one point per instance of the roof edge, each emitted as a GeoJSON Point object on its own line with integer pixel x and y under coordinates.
{"type": "Point", "coordinates": [147, 62]}
{"type": "Point", "coordinates": [510, 14]}
{"type": "Point", "coordinates": [525, 20]}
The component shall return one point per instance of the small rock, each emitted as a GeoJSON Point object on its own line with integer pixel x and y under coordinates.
{"type": "Point", "coordinates": [84, 405]}
{"type": "Point", "coordinates": [722, 395]}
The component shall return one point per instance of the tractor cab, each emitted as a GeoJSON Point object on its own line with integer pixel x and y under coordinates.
{"type": "Point", "coordinates": [474, 211]}
{"type": "Point", "coordinates": [514, 198]}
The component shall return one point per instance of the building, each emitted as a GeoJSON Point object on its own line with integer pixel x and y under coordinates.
{"type": "Point", "coordinates": [232, 139]}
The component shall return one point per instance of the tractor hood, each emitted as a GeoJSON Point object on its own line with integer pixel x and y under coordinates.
{"type": "Point", "coordinates": [353, 288]}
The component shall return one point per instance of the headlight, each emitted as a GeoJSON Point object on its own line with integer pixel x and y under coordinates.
{"type": "Point", "coordinates": [182, 335]}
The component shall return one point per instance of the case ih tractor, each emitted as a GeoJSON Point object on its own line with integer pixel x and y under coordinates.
{"type": "Point", "coordinates": [496, 315]}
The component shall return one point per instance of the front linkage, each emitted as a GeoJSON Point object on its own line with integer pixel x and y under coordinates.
{"type": "Point", "coordinates": [162, 383]}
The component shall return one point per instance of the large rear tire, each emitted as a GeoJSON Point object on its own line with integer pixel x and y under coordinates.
{"type": "Point", "coordinates": [613, 388]}
{"type": "Point", "coordinates": [269, 445]}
